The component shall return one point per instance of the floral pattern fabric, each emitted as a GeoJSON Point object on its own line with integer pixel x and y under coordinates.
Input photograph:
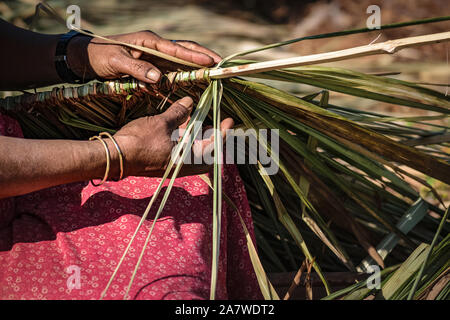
{"type": "Point", "coordinates": [64, 242]}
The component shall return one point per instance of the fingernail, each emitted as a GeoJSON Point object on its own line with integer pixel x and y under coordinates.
{"type": "Point", "coordinates": [185, 102]}
{"type": "Point", "coordinates": [153, 75]}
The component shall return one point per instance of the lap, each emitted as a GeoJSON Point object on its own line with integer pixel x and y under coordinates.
{"type": "Point", "coordinates": [65, 242]}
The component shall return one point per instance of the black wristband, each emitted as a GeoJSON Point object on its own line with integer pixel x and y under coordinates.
{"type": "Point", "coordinates": [61, 64]}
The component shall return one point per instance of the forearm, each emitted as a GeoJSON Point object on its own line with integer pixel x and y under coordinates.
{"type": "Point", "coordinates": [28, 165]}
{"type": "Point", "coordinates": [27, 58]}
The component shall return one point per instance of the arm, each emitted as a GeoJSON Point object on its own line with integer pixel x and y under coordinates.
{"type": "Point", "coordinates": [27, 58]}
{"type": "Point", "coordinates": [28, 165]}
{"type": "Point", "coordinates": [28, 61]}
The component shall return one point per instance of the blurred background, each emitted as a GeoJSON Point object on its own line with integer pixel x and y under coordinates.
{"type": "Point", "coordinates": [229, 26]}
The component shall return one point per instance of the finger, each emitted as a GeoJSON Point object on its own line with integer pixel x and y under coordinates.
{"type": "Point", "coordinates": [192, 45]}
{"type": "Point", "coordinates": [182, 128]}
{"type": "Point", "coordinates": [226, 125]}
{"type": "Point", "coordinates": [139, 69]}
{"type": "Point", "coordinates": [176, 50]}
{"type": "Point", "coordinates": [207, 145]}
{"type": "Point", "coordinates": [178, 112]}
{"type": "Point", "coordinates": [184, 124]}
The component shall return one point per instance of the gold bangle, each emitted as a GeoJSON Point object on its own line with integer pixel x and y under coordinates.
{"type": "Point", "coordinates": [107, 134]}
{"type": "Point", "coordinates": [108, 160]}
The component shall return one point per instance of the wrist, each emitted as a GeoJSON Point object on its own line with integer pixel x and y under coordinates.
{"type": "Point", "coordinates": [94, 163]}
{"type": "Point", "coordinates": [78, 57]}
{"type": "Point", "coordinates": [127, 146]}
{"type": "Point", "coordinates": [92, 160]}
{"type": "Point", "coordinates": [114, 171]}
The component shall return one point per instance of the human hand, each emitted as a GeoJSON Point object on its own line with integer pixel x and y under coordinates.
{"type": "Point", "coordinates": [147, 142]}
{"type": "Point", "coordinates": [93, 58]}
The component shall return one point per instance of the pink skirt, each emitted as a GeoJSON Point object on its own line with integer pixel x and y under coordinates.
{"type": "Point", "coordinates": [65, 242]}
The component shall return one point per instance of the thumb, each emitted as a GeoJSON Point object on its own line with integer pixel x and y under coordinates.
{"type": "Point", "coordinates": [139, 69]}
{"type": "Point", "coordinates": [178, 112]}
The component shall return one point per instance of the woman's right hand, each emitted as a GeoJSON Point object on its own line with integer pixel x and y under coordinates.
{"type": "Point", "coordinates": [28, 165]}
{"type": "Point", "coordinates": [147, 142]}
